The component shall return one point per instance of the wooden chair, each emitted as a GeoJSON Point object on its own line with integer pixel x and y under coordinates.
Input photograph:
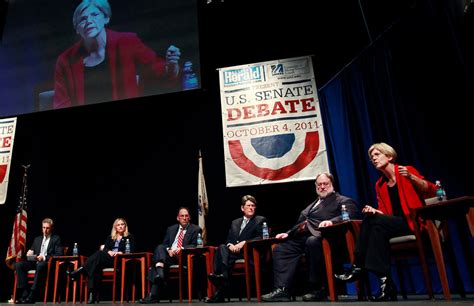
{"type": "Point", "coordinates": [256, 250]}
{"type": "Point", "coordinates": [109, 275]}
{"type": "Point", "coordinates": [242, 268]}
{"type": "Point", "coordinates": [176, 272]}
{"type": "Point", "coordinates": [31, 277]}
{"type": "Point", "coordinates": [409, 246]}
{"type": "Point", "coordinates": [185, 268]}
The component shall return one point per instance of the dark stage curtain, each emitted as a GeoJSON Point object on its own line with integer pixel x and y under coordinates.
{"type": "Point", "coordinates": [412, 90]}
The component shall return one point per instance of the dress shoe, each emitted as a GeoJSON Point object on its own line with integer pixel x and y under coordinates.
{"type": "Point", "coordinates": [315, 295]}
{"type": "Point", "coordinates": [280, 294]}
{"type": "Point", "coordinates": [75, 274]}
{"type": "Point", "coordinates": [216, 298]}
{"type": "Point", "coordinates": [23, 297]}
{"type": "Point", "coordinates": [387, 291]}
{"type": "Point", "coordinates": [350, 276]}
{"type": "Point", "coordinates": [30, 299]}
{"type": "Point", "coordinates": [92, 299]}
{"type": "Point", "coordinates": [150, 299]}
{"type": "Point", "coordinates": [217, 279]}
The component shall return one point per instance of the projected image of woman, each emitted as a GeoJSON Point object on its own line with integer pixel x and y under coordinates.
{"type": "Point", "coordinates": [107, 65]}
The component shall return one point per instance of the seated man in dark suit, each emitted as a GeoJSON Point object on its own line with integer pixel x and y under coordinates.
{"type": "Point", "coordinates": [305, 238]}
{"type": "Point", "coordinates": [177, 237]}
{"type": "Point", "coordinates": [246, 228]}
{"type": "Point", "coordinates": [43, 248]}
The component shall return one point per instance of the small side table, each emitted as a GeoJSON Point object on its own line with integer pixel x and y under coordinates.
{"type": "Point", "coordinates": [257, 246]}
{"type": "Point", "coordinates": [144, 260]}
{"type": "Point", "coordinates": [350, 231]}
{"type": "Point", "coordinates": [59, 261]}
{"type": "Point", "coordinates": [189, 254]}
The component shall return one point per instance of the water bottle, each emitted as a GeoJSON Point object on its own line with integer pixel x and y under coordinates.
{"type": "Point", "coordinates": [440, 193]}
{"type": "Point", "coordinates": [127, 246]}
{"type": "Point", "coordinates": [265, 233]}
{"type": "Point", "coordinates": [344, 213]}
{"type": "Point", "coordinates": [199, 241]}
{"type": "Point", "coordinates": [190, 80]}
{"type": "Point", "coordinates": [75, 250]}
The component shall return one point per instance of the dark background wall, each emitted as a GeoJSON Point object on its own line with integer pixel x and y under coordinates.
{"type": "Point", "coordinates": [137, 158]}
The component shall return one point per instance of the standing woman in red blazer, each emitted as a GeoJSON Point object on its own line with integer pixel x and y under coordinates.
{"type": "Point", "coordinates": [399, 190]}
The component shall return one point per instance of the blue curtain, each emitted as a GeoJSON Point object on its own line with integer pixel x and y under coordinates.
{"type": "Point", "coordinates": [388, 94]}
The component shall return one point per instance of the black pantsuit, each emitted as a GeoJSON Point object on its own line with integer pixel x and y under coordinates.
{"type": "Point", "coordinates": [94, 265]}
{"type": "Point", "coordinates": [373, 247]}
{"type": "Point", "coordinates": [101, 259]}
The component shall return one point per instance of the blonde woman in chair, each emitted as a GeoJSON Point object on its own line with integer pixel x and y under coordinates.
{"type": "Point", "coordinates": [399, 189]}
{"type": "Point", "coordinates": [104, 258]}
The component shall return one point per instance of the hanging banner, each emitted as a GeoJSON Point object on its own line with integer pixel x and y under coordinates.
{"type": "Point", "coordinates": [7, 135]}
{"type": "Point", "coordinates": [272, 125]}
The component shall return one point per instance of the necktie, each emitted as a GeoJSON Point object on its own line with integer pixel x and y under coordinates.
{"type": "Point", "coordinates": [242, 226]}
{"type": "Point", "coordinates": [179, 244]}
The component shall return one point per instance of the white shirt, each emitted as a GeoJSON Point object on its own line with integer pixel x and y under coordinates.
{"type": "Point", "coordinates": [44, 246]}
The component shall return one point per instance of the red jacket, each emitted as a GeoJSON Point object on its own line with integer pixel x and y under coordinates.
{"type": "Point", "coordinates": [124, 52]}
{"type": "Point", "coordinates": [410, 197]}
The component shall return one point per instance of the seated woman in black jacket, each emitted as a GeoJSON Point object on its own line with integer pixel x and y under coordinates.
{"type": "Point", "coordinates": [115, 244]}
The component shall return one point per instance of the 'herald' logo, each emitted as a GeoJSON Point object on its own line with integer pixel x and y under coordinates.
{"type": "Point", "coordinates": [236, 76]}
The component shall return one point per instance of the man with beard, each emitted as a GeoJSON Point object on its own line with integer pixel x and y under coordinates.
{"type": "Point", "coordinates": [305, 238]}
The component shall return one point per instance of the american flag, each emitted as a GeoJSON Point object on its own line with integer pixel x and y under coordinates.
{"type": "Point", "coordinates": [18, 241]}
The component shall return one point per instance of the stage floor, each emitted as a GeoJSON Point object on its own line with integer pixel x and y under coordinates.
{"type": "Point", "coordinates": [417, 300]}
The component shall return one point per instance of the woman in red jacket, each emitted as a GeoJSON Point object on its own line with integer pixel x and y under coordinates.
{"type": "Point", "coordinates": [399, 190]}
{"type": "Point", "coordinates": [104, 65]}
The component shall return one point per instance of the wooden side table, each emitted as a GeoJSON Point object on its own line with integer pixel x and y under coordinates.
{"type": "Point", "coordinates": [143, 259]}
{"type": "Point", "coordinates": [350, 231]}
{"type": "Point", "coordinates": [258, 247]}
{"type": "Point", "coordinates": [449, 209]}
{"type": "Point", "coordinates": [189, 254]}
{"type": "Point", "coordinates": [57, 262]}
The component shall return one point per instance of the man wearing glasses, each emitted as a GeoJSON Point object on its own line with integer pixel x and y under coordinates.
{"type": "Point", "coordinates": [305, 238]}
{"type": "Point", "coordinates": [243, 229]}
